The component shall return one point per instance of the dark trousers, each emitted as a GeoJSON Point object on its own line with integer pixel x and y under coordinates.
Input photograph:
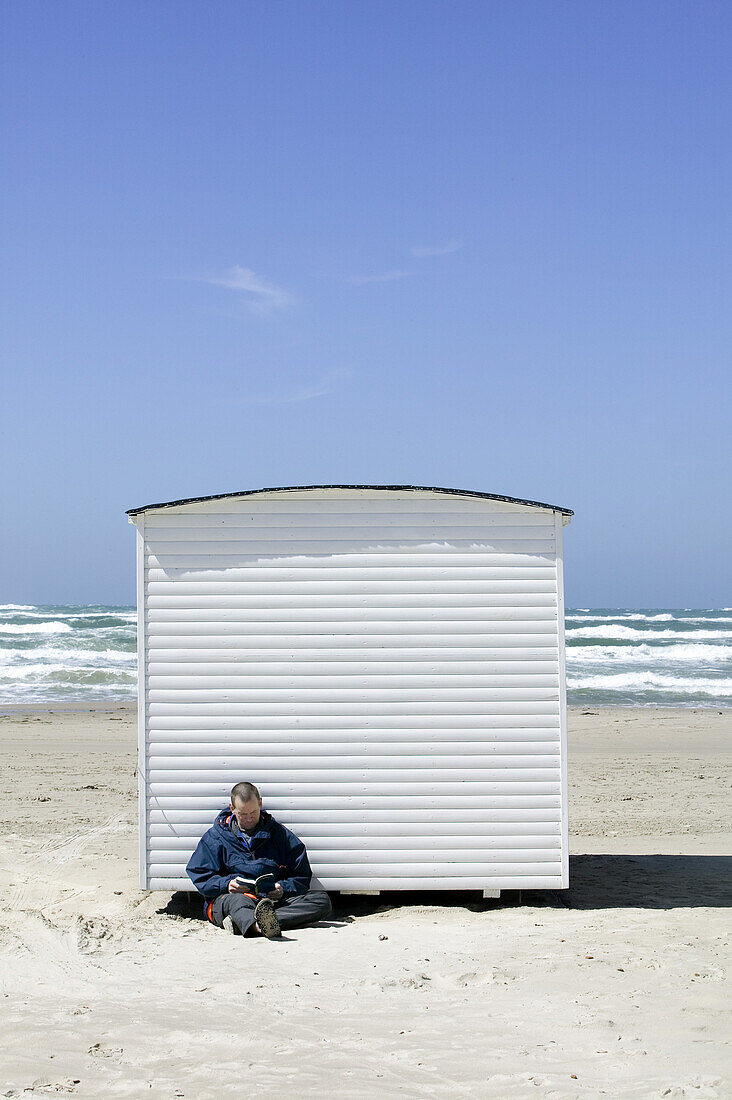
{"type": "Point", "coordinates": [291, 913]}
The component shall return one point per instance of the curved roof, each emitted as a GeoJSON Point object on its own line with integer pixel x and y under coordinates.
{"type": "Point", "coordinates": [385, 488]}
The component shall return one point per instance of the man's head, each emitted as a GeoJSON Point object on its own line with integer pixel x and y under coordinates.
{"type": "Point", "coordinates": [246, 805]}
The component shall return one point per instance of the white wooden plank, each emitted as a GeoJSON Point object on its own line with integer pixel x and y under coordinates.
{"type": "Point", "coordinates": [384, 560]}
{"type": "Point", "coordinates": [445, 833]}
{"type": "Point", "coordinates": [422, 860]}
{"type": "Point", "coordinates": [295, 787]}
{"type": "Point", "coordinates": [353, 700]}
{"type": "Point", "coordinates": [463, 730]}
{"type": "Point", "coordinates": [314, 527]}
{"type": "Point", "coordinates": [350, 820]}
{"type": "Point", "coordinates": [346, 515]}
{"type": "Point", "coordinates": [359, 756]}
{"type": "Point", "coordinates": [286, 804]}
{"type": "Point", "coordinates": [404, 592]}
{"type": "Point", "coordinates": [375, 712]}
{"type": "Point", "coordinates": [346, 673]}
{"type": "Point", "coordinates": [342, 773]}
{"type": "Point", "coordinates": [425, 882]}
{"type": "Point", "coordinates": [329, 684]}
{"type": "Point", "coordinates": [405, 602]}
{"type": "Point", "coordinates": [335, 746]}
{"type": "Point", "coordinates": [413, 628]}
{"type": "Point", "coordinates": [349, 657]}
{"type": "Point", "coordinates": [341, 520]}
{"type": "Point", "coordinates": [508, 865]}
{"type": "Point", "coordinates": [342, 576]}
{"type": "Point", "coordinates": [275, 548]}
{"type": "Point", "coordinates": [365, 725]}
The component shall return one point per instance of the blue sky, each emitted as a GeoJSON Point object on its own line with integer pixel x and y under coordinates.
{"type": "Point", "coordinates": [475, 245]}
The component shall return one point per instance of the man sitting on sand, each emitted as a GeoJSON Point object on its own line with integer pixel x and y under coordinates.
{"type": "Point", "coordinates": [246, 841]}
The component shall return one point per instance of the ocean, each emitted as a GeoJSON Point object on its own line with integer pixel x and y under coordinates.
{"type": "Point", "coordinates": [615, 657]}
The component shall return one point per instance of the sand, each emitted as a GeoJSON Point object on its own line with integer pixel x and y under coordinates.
{"type": "Point", "coordinates": [617, 989]}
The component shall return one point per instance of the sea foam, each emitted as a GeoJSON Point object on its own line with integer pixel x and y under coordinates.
{"type": "Point", "coordinates": [651, 681]}
{"type": "Point", "coordinates": [35, 628]}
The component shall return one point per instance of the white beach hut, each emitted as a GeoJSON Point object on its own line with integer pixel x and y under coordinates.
{"type": "Point", "coordinates": [386, 663]}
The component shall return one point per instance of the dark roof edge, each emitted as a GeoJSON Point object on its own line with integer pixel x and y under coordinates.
{"type": "Point", "coordinates": [296, 488]}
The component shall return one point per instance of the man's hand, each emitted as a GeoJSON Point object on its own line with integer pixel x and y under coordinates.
{"type": "Point", "coordinates": [277, 894]}
{"type": "Point", "coordinates": [236, 887]}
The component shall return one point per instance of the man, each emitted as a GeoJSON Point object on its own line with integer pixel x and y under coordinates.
{"type": "Point", "coordinates": [247, 841]}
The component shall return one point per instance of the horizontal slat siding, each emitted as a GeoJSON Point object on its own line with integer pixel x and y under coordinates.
{"type": "Point", "coordinates": [302, 757]}
{"type": "Point", "coordinates": [339, 592]}
{"type": "Point", "coordinates": [457, 849]}
{"type": "Point", "coordinates": [380, 562]}
{"type": "Point", "coordinates": [366, 628]}
{"type": "Point", "coordinates": [317, 731]}
{"type": "Point", "coordinates": [544, 721]}
{"type": "Point", "coordinates": [371, 711]}
{"type": "Point", "coordinates": [212, 778]}
{"type": "Point", "coordinates": [332, 743]}
{"type": "Point", "coordinates": [287, 803]}
{"type": "Point", "coordinates": [274, 783]}
{"type": "Point", "coordinates": [455, 529]}
{"type": "Point", "coordinates": [270, 550]}
{"type": "Point", "coordinates": [345, 517]}
{"type": "Point", "coordinates": [384, 666]}
{"type": "Point", "coordinates": [257, 687]}
{"type": "Point", "coordinates": [370, 881]}
{"type": "Point", "coordinates": [354, 815]}
{"type": "Point", "coordinates": [452, 834]}
{"type": "Point", "coordinates": [345, 658]}
{"type": "Point", "coordinates": [387, 862]}
{"type": "Point", "coordinates": [400, 601]}
{"type": "Point", "coordinates": [346, 580]}
{"type": "Point", "coordinates": [399, 871]}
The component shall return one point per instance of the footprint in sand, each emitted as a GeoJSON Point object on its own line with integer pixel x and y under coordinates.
{"type": "Point", "coordinates": [98, 1051]}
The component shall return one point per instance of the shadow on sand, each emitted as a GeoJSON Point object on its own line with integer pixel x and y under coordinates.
{"type": "Point", "coordinates": [596, 882]}
{"type": "Point", "coordinates": [649, 882]}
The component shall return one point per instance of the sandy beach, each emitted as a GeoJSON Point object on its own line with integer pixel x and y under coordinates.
{"type": "Point", "coordinates": [616, 989]}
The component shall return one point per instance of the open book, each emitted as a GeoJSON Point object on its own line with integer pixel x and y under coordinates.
{"type": "Point", "coordinates": [260, 886]}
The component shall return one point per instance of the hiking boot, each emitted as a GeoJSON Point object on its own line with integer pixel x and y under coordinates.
{"type": "Point", "coordinates": [266, 918]}
{"type": "Point", "coordinates": [228, 926]}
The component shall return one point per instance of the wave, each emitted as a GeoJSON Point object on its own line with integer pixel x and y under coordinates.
{"type": "Point", "coordinates": [629, 633]}
{"type": "Point", "coordinates": [130, 617]}
{"type": "Point", "coordinates": [681, 651]}
{"type": "Point", "coordinates": [636, 617]}
{"type": "Point", "coordinates": [84, 656]}
{"type": "Point", "coordinates": [35, 628]}
{"type": "Point", "coordinates": [651, 681]}
{"type": "Point", "coordinates": [65, 675]}
{"type": "Point", "coordinates": [17, 607]}
{"type": "Point", "coordinates": [706, 619]}
{"type": "Point", "coordinates": [50, 692]}
{"type": "Point", "coordinates": [77, 619]}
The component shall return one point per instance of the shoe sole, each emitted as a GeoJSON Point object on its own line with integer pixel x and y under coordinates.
{"type": "Point", "coordinates": [228, 926]}
{"type": "Point", "coordinates": [266, 918]}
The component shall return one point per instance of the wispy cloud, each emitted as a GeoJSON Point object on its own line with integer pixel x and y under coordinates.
{"type": "Point", "coordinates": [383, 277]}
{"type": "Point", "coordinates": [421, 251]}
{"type": "Point", "coordinates": [322, 386]}
{"type": "Point", "coordinates": [262, 296]}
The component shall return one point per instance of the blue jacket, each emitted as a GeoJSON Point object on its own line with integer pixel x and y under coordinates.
{"type": "Point", "coordinates": [221, 855]}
